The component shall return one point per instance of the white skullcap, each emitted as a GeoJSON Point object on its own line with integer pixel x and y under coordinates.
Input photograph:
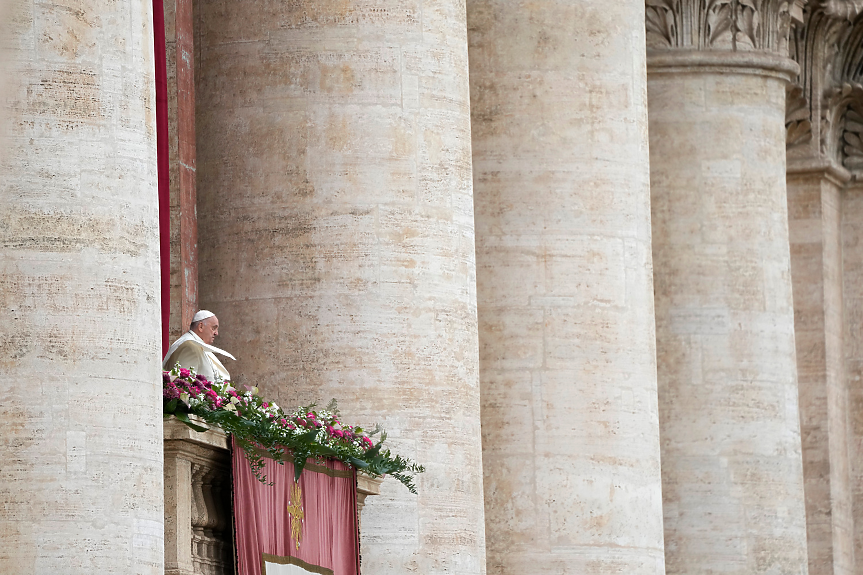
{"type": "Point", "coordinates": [202, 315]}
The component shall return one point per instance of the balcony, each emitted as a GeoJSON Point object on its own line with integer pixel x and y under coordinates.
{"type": "Point", "coordinates": [198, 521]}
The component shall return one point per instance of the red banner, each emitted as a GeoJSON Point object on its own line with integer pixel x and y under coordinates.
{"type": "Point", "coordinates": [296, 528]}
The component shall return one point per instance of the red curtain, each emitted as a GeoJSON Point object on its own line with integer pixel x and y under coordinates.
{"type": "Point", "coordinates": [162, 163]}
{"type": "Point", "coordinates": [321, 509]}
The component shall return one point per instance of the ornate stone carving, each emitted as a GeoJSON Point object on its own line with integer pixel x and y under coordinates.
{"type": "Point", "coordinates": [824, 118]}
{"type": "Point", "coordinates": [212, 547]}
{"type": "Point", "coordinates": [735, 25]}
{"type": "Point", "coordinates": [814, 45]}
{"type": "Point", "coordinates": [798, 121]}
{"type": "Point", "coordinates": [848, 9]}
{"type": "Point", "coordinates": [198, 526]}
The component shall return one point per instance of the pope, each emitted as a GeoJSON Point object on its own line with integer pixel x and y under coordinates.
{"type": "Point", "coordinates": [195, 350]}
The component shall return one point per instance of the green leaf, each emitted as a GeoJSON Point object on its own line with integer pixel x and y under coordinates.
{"type": "Point", "coordinates": [299, 465]}
{"type": "Point", "coordinates": [358, 463]}
{"type": "Point", "coordinates": [185, 419]}
{"type": "Point", "coordinates": [374, 450]}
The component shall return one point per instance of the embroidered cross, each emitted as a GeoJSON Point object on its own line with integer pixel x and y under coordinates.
{"type": "Point", "coordinates": [296, 513]}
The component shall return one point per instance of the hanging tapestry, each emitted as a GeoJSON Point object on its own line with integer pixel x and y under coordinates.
{"type": "Point", "coordinates": [293, 528]}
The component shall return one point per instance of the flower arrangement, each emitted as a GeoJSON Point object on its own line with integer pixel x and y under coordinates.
{"type": "Point", "coordinates": [263, 429]}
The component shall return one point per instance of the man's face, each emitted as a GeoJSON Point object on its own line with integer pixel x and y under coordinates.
{"type": "Point", "coordinates": [208, 329]}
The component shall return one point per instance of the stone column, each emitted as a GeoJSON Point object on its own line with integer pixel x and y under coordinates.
{"type": "Point", "coordinates": [818, 105]}
{"type": "Point", "coordinates": [852, 262]}
{"type": "Point", "coordinates": [336, 240]}
{"type": "Point", "coordinates": [564, 284]}
{"type": "Point", "coordinates": [731, 455]}
{"type": "Point", "coordinates": [80, 340]}
{"type": "Point", "coordinates": [814, 218]}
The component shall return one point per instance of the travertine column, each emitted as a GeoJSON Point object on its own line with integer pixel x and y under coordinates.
{"type": "Point", "coordinates": [823, 144]}
{"type": "Point", "coordinates": [731, 455]}
{"type": "Point", "coordinates": [814, 218]}
{"type": "Point", "coordinates": [852, 260]}
{"type": "Point", "coordinates": [336, 238]}
{"type": "Point", "coordinates": [80, 419]}
{"type": "Point", "coordinates": [567, 352]}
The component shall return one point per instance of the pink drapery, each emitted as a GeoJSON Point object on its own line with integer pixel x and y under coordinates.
{"type": "Point", "coordinates": [330, 540]}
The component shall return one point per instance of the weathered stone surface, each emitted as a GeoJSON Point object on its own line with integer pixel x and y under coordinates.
{"type": "Point", "coordinates": [336, 239]}
{"type": "Point", "coordinates": [814, 214]}
{"type": "Point", "coordinates": [731, 456]}
{"type": "Point", "coordinates": [80, 421]}
{"type": "Point", "coordinates": [852, 263]}
{"type": "Point", "coordinates": [568, 372]}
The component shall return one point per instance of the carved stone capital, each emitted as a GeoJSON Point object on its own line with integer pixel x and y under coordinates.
{"type": "Point", "coordinates": [824, 118]}
{"type": "Point", "coordinates": [848, 9]}
{"type": "Point", "coordinates": [721, 25]}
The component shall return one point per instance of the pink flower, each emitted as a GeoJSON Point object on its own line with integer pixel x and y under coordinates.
{"type": "Point", "coordinates": [265, 405]}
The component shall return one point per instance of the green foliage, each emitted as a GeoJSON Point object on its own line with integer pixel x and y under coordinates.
{"type": "Point", "coordinates": [263, 430]}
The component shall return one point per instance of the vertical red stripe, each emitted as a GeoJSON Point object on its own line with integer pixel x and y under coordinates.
{"type": "Point", "coordinates": [163, 165]}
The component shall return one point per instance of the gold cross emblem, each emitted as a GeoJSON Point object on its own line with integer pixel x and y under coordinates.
{"type": "Point", "coordinates": [296, 513]}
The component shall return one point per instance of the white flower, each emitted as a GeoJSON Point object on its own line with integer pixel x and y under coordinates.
{"type": "Point", "coordinates": [234, 400]}
{"type": "Point", "coordinates": [184, 397]}
{"type": "Point", "coordinates": [230, 407]}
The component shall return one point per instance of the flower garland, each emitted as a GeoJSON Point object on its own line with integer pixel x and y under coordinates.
{"type": "Point", "coordinates": [262, 429]}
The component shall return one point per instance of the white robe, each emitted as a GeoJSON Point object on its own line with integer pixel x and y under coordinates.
{"type": "Point", "coordinates": [190, 351]}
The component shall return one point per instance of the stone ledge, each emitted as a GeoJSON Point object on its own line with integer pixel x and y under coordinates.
{"type": "Point", "coordinates": [687, 61]}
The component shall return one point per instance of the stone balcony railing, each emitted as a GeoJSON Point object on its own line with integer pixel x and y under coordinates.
{"type": "Point", "coordinates": [198, 526]}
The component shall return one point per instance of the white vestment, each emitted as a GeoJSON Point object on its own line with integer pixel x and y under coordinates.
{"type": "Point", "coordinates": [190, 351]}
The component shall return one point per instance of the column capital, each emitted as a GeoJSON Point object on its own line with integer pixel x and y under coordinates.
{"type": "Point", "coordinates": [721, 25]}
{"type": "Point", "coordinates": [824, 118]}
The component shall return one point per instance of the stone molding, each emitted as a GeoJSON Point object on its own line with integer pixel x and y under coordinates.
{"type": "Point", "coordinates": [824, 119]}
{"type": "Point", "coordinates": [695, 61]}
{"type": "Point", "coordinates": [721, 25]}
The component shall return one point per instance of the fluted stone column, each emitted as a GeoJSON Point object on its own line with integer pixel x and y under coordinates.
{"type": "Point", "coordinates": [731, 455]}
{"type": "Point", "coordinates": [336, 240]}
{"type": "Point", "coordinates": [80, 419]}
{"type": "Point", "coordinates": [564, 284]}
